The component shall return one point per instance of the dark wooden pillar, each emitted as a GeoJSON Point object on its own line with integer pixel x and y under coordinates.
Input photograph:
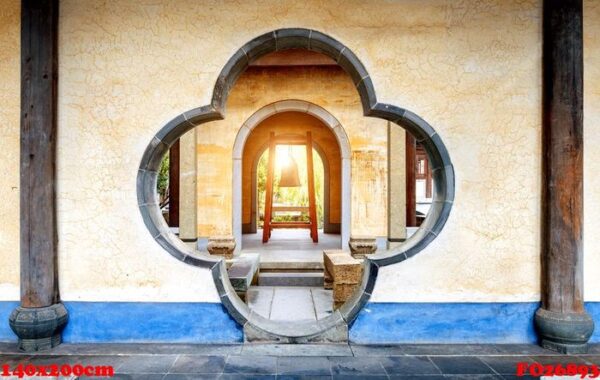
{"type": "Point", "coordinates": [411, 178]}
{"type": "Point", "coordinates": [562, 322]}
{"type": "Point", "coordinates": [174, 169]}
{"type": "Point", "coordinates": [39, 320]}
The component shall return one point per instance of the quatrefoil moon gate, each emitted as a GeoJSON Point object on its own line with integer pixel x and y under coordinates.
{"type": "Point", "coordinates": [282, 39]}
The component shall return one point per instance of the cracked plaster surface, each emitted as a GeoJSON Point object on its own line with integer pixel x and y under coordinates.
{"type": "Point", "coordinates": [472, 69]}
{"type": "Point", "coordinates": [9, 148]}
{"type": "Point", "coordinates": [591, 150]}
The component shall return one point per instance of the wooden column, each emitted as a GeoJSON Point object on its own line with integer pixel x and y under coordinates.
{"type": "Point", "coordinates": [174, 169]}
{"type": "Point", "coordinates": [562, 322]}
{"type": "Point", "coordinates": [312, 201]}
{"type": "Point", "coordinates": [269, 191]}
{"type": "Point", "coordinates": [428, 178]}
{"type": "Point", "coordinates": [39, 320]}
{"type": "Point", "coordinates": [411, 184]}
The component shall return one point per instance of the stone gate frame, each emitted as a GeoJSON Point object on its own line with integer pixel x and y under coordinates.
{"type": "Point", "coordinates": [334, 327]}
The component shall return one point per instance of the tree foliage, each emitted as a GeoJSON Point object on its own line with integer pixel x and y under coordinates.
{"type": "Point", "coordinates": [162, 185]}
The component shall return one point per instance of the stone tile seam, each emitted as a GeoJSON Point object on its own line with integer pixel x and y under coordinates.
{"type": "Point", "coordinates": [360, 81]}
{"type": "Point", "coordinates": [245, 53]}
{"type": "Point", "coordinates": [340, 55]}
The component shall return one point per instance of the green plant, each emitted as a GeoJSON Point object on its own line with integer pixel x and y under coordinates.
{"type": "Point", "coordinates": [162, 183]}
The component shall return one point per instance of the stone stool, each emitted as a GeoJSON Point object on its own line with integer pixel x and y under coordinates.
{"type": "Point", "coordinates": [343, 274]}
{"type": "Point", "coordinates": [361, 246]}
{"type": "Point", "coordinates": [221, 246]}
{"type": "Point", "coordinates": [243, 272]}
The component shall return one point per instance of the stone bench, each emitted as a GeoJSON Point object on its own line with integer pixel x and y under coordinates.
{"type": "Point", "coordinates": [243, 272]}
{"type": "Point", "coordinates": [343, 274]}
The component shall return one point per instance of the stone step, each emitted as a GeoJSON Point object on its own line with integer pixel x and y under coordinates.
{"type": "Point", "coordinates": [243, 272]}
{"type": "Point", "coordinates": [293, 264]}
{"type": "Point", "coordinates": [290, 279]}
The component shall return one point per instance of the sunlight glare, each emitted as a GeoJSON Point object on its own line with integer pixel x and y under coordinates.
{"type": "Point", "coordinates": [282, 156]}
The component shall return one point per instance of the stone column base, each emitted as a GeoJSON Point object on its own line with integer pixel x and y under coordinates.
{"type": "Point", "coordinates": [221, 246]}
{"type": "Point", "coordinates": [40, 328]}
{"type": "Point", "coordinates": [361, 246]}
{"type": "Point", "coordinates": [566, 333]}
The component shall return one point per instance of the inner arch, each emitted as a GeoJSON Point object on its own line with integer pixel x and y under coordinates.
{"type": "Point", "coordinates": [305, 109]}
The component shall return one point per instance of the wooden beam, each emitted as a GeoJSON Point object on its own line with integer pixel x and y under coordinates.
{"type": "Point", "coordinates": [290, 209]}
{"type": "Point", "coordinates": [174, 173]}
{"type": "Point", "coordinates": [290, 140]}
{"type": "Point", "coordinates": [411, 178]}
{"type": "Point", "coordinates": [294, 57]}
{"type": "Point", "coordinates": [292, 225]}
{"type": "Point", "coordinates": [562, 321]}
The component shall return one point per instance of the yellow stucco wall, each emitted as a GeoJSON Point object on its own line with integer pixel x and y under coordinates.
{"type": "Point", "coordinates": [128, 67]}
{"type": "Point", "coordinates": [125, 70]}
{"type": "Point", "coordinates": [10, 78]}
{"type": "Point", "coordinates": [396, 182]}
{"type": "Point", "coordinates": [328, 87]}
{"type": "Point", "coordinates": [187, 186]}
{"type": "Point", "coordinates": [471, 68]}
{"type": "Point", "coordinates": [591, 150]}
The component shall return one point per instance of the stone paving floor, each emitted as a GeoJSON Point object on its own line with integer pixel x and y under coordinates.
{"type": "Point", "coordinates": [294, 303]}
{"type": "Point", "coordinates": [312, 361]}
{"type": "Point", "coordinates": [290, 248]}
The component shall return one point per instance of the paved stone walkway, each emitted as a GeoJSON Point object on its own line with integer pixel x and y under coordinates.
{"type": "Point", "coordinates": [281, 303]}
{"type": "Point", "coordinates": [314, 361]}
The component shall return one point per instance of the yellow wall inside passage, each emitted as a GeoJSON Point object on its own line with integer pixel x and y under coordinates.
{"type": "Point", "coordinates": [328, 87]}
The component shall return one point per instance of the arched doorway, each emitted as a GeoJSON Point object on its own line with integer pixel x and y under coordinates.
{"type": "Point", "coordinates": [291, 249]}
{"type": "Point", "coordinates": [304, 110]}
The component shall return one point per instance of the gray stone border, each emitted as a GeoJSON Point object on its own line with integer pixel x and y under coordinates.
{"type": "Point", "coordinates": [334, 327]}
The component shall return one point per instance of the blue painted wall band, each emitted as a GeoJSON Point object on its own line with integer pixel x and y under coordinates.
{"type": "Point", "coordinates": [445, 323]}
{"type": "Point", "coordinates": [6, 334]}
{"type": "Point", "coordinates": [140, 322]}
{"type": "Point", "coordinates": [380, 323]}
{"type": "Point", "coordinates": [377, 323]}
